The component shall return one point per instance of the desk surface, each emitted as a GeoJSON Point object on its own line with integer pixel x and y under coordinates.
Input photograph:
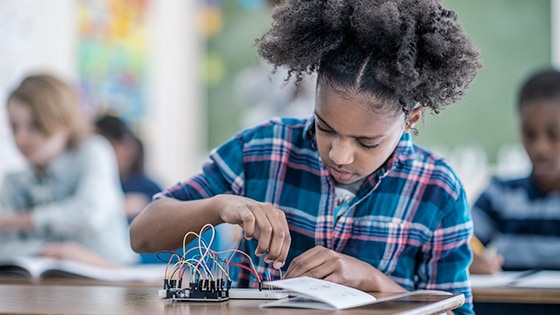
{"type": "Point", "coordinates": [82, 299]}
{"type": "Point", "coordinates": [516, 295]}
{"type": "Point", "coordinates": [517, 287]}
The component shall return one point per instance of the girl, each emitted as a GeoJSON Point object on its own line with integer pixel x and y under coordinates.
{"type": "Point", "coordinates": [344, 195]}
{"type": "Point", "coordinates": [68, 202]}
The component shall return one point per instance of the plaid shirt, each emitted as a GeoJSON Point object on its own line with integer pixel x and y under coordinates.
{"type": "Point", "coordinates": [409, 219]}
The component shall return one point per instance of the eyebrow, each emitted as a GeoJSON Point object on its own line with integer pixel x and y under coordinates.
{"type": "Point", "coordinates": [359, 137]}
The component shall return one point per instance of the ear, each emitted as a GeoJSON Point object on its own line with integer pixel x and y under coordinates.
{"type": "Point", "coordinates": [414, 118]}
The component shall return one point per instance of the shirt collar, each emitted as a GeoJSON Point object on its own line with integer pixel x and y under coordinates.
{"type": "Point", "coordinates": [57, 166]}
{"type": "Point", "coordinates": [309, 131]}
{"type": "Point", "coordinates": [405, 151]}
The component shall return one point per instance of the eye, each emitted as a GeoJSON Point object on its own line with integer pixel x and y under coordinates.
{"type": "Point", "coordinates": [323, 129]}
{"type": "Point", "coordinates": [529, 135]}
{"type": "Point", "coordinates": [14, 127]}
{"type": "Point", "coordinates": [34, 127]}
{"type": "Point", "coordinates": [367, 146]}
{"type": "Point", "coordinates": [554, 135]}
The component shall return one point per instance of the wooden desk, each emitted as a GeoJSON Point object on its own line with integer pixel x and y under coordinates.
{"type": "Point", "coordinates": [516, 295]}
{"type": "Point", "coordinates": [72, 299]}
{"type": "Point", "coordinates": [517, 287]}
{"type": "Point", "coordinates": [515, 300]}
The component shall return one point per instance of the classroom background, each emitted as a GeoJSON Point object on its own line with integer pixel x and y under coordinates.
{"type": "Point", "coordinates": [185, 75]}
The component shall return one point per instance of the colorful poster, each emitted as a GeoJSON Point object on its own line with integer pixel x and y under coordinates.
{"type": "Point", "coordinates": [112, 56]}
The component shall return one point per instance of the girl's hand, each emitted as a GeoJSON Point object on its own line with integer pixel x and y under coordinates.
{"type": "Point", "coordinates": [261, 221]}
{"type": "Point", "coordinates": [322, 263]}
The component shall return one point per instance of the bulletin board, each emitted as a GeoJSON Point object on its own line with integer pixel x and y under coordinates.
{"type": "Point", "coordinates": [112, 56]}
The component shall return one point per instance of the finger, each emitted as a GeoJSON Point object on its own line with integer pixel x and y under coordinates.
{"type": "Point", "coordinates": [263, 229]}
{"type": "Point", "coordinates": [334, 277]}
{"type": "Point", "coordinates": [235, 210]}
{"type": "Point", "coordinates": [304, 263]}
{"type": "Point", "coordinates": [51, 251]}
{"type": "Point", "coordinates": [248, 225]}
{"type": "Point", "coordinates": [318, 271]}
{"type": "Point", "coordinates": [280, 241]}
{"type": "Point", "coordinates": [279, 263]}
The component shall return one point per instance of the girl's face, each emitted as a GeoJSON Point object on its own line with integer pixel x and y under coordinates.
{"type": "Point", "coordinates": [540, 132]}
{"type": "Point", "coordinates": [38, 148]}
{"type": "Point", "coordinates": [353, 139]}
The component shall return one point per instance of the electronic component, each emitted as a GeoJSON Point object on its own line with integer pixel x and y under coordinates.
{"type": "Point", "coordinates": [200, 291]}
{"type": "Point", "coordinates": [207, 273]}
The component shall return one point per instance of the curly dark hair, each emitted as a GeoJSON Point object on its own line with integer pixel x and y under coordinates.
{"type": "Point", "coordinates": [408, 51]}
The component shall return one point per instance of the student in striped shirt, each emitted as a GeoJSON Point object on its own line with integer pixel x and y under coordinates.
{"type": "Point", "coordinates": [345, 195]}
{"type": "Point", "coordinates": [520, 217]}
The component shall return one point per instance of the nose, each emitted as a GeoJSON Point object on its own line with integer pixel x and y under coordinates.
{"type": "Point", "coordinates": [20, 137]}
{"type": "Point", "coordinates": [539, 146]}
{"type": "Point", "coordinates": [341, 152]}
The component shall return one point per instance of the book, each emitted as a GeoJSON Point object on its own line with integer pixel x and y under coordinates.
{"type": "Point", "coordinates": [36, 269]}
{"type": "Point", "coordinates": [321, 294]}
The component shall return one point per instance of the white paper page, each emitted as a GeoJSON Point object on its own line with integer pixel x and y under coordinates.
{"type": "Point", "coordinates": [34, 265]}
{"type": "Point", "coordinates": [38, 265]}
{"type": "Point", "coordinates": [299, 302]}
{"type": "Point", "coordinates": [501, 279]}
{"type": "Point", "coordinates": [143, 273]}
{"type": "Point", "coordinates": [331, 294]}
{"type": "Point", "coordinates": [541, 279]}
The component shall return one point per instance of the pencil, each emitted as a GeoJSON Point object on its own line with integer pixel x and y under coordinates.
{"type": "Point", "coordinates": [476, 246]}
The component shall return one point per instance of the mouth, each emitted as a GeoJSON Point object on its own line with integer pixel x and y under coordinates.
{"type": "Point", "coordinates": [26, 152]}
{"type": "Point", "coordinates": [541, 166]}
{"type": "Point", "coordinates": [340, 176]}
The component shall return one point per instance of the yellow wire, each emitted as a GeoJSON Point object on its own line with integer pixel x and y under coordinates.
{"type": "Point", "coordinates": [213, 255]}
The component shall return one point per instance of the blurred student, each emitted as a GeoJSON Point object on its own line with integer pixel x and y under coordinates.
{"type": "Point", "coordinates": [138, 187]}
{"type": "Point", "coordinates": [67, 203]}
{"type": "Point", "coordinates": [520, 218]}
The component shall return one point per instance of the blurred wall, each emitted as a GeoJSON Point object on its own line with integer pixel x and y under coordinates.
{"type": "Point", "coordinates": [514, 37]}
{"type": "Point", "coordinates": [36, 36]}
{"type": "Point", "coordinates": [174, 128]}
{"type": "Point", "coordinates": [189, 113]}
{"type": "Point", "coordinates": [555, 17]}
{"type": "Point", "coordinates": [40, 35]}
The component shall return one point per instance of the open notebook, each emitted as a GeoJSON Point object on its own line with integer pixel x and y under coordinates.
{"type": "Point", "coordinates": [320, 294]}
{"type": "Point", "coordinates": [37, 268]}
